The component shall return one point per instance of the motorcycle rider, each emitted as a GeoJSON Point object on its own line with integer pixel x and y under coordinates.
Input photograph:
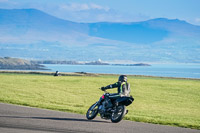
{"type": "Point", "coordinates": [122, 85]}
{"type": "Point", "coordinates": [112, 106]}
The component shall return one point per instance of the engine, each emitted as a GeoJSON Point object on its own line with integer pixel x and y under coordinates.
{"type": "Point", "coordinates": [104, 109]}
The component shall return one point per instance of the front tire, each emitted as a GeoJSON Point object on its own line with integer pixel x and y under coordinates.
{"type": "Point", "coordinates": [118, 114]}
{"type": "Point", "coordinates": [92, 112]}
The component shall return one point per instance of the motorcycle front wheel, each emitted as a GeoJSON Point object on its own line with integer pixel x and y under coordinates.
{"type": "Point", "coordinates": [118, 114]}
{"type": "Point", "coordinates": [92, 112]}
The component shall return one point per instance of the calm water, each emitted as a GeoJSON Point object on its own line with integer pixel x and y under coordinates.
{"type": "Point", "coordinates": [169, 70]}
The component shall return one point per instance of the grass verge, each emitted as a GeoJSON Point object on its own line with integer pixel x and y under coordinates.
{"type": "Point", "coordinates": [157, 100]}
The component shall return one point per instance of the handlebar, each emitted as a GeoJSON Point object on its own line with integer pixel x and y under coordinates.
{"type": "Point", "coordinates": [104, 91]}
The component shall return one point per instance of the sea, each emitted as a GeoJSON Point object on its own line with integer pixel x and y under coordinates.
{"type": "Point", "coordinates": [161, 70]}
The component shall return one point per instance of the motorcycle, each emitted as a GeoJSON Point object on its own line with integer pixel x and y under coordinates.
{"type": "Point", "coordinates": [109, 108]}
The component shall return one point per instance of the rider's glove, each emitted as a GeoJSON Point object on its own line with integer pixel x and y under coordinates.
{"type": "Point", "coordinates": [103, 88]}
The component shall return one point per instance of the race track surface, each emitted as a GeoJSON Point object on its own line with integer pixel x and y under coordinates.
{"type": "Point", "coordinates": [20, 119]}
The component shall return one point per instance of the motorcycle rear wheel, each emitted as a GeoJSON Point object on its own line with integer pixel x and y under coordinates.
{"type": "Point", "coordinates": [118, 114]}
{"type": "Point", "coordinates": [92, 112]}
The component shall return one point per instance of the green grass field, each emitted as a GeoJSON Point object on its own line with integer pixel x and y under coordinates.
{"type": "Point", "coordinates": [157, 100]}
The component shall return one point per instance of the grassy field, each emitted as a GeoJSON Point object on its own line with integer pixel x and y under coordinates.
{"type": "Point", "coordinates": [157, 100]}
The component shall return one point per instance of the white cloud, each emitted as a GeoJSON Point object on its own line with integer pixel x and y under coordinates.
{"type": "Point", "coordinates": [95, 6]}
{"type": "Point", "coordinates": [197, 20]}
{"type": "Point", "coordinates": [78, 12]}
{"type": "Point", "coordinates": [2, 1]}
{"type": "Point", "coordinates": [82, 7]}
{"type": "Point", "coordinates": [91, 12]}
{"type": "Point", "coordinates": [7, 4]}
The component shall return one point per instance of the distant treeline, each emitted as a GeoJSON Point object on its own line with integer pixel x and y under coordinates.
{"type": "Point", "coordinates": [86, 63]}
{"type": "Point", "coordinates": [56, 62]}
{"type": "Point", "coordinates": [22, 64]}
{"type": "Point", "coordinates": [69, 62]}
{"type": "Point", "coordinates": [138, 64]}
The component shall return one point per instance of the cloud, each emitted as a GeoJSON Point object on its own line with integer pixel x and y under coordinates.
{"type": "Point", "coordinates": [78, 12]}
{"type": "Point", "coordinates": [91, 12]}
{"type": "Point", "coordinates": [197, 20]}
{"type": "Point", "coordinates": [95, 6]}
{"type": "Point", "coordinates": [82, 7]}
{"type": "Point", "coordinates": [7, 4]}
{"type": "Point", "coordinates": [2, 1]}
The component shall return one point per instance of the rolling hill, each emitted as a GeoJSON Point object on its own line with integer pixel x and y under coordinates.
{"type": "Point", "coordinates": [19, 64]}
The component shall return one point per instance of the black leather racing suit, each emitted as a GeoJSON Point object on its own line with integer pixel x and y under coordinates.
{"type": "Point", "coordinates": [123, 88]}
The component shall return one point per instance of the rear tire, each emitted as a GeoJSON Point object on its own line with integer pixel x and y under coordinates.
{"type": "Point", "coordinates": [118, 114]}
{"type": "Point", "coordinates": [92, 112]}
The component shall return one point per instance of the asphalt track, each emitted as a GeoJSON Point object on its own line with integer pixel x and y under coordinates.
{"type": "Point", "coordinates": [20, 119]}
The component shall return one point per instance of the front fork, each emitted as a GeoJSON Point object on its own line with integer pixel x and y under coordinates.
{"type": "Point", "coordinates": [97, 103]}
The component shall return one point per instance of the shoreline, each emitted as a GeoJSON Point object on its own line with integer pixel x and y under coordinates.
{"type": "Point", "coordinates": [85, 74]}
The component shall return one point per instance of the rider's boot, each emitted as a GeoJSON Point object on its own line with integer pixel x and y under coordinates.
{"type": "Point", "coordinates": [127, 111]}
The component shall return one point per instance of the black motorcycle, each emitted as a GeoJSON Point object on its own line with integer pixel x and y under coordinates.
{"type": "Point", "coordinates": [109, 108]}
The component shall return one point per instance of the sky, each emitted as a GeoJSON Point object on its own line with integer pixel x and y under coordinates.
{"type": "Point", "coordinates": [112, 10]}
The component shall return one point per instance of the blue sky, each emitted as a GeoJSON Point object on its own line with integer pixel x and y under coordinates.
{"type": "Point", "coordinates": [113, 10]}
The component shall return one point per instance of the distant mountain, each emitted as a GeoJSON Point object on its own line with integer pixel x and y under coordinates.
{"type": "Point", "coordinates": [144, 32]}
{"type": "Point", "coordinates": [27, 25]}
{"type": "Point", "coordinates": [33, 34]}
